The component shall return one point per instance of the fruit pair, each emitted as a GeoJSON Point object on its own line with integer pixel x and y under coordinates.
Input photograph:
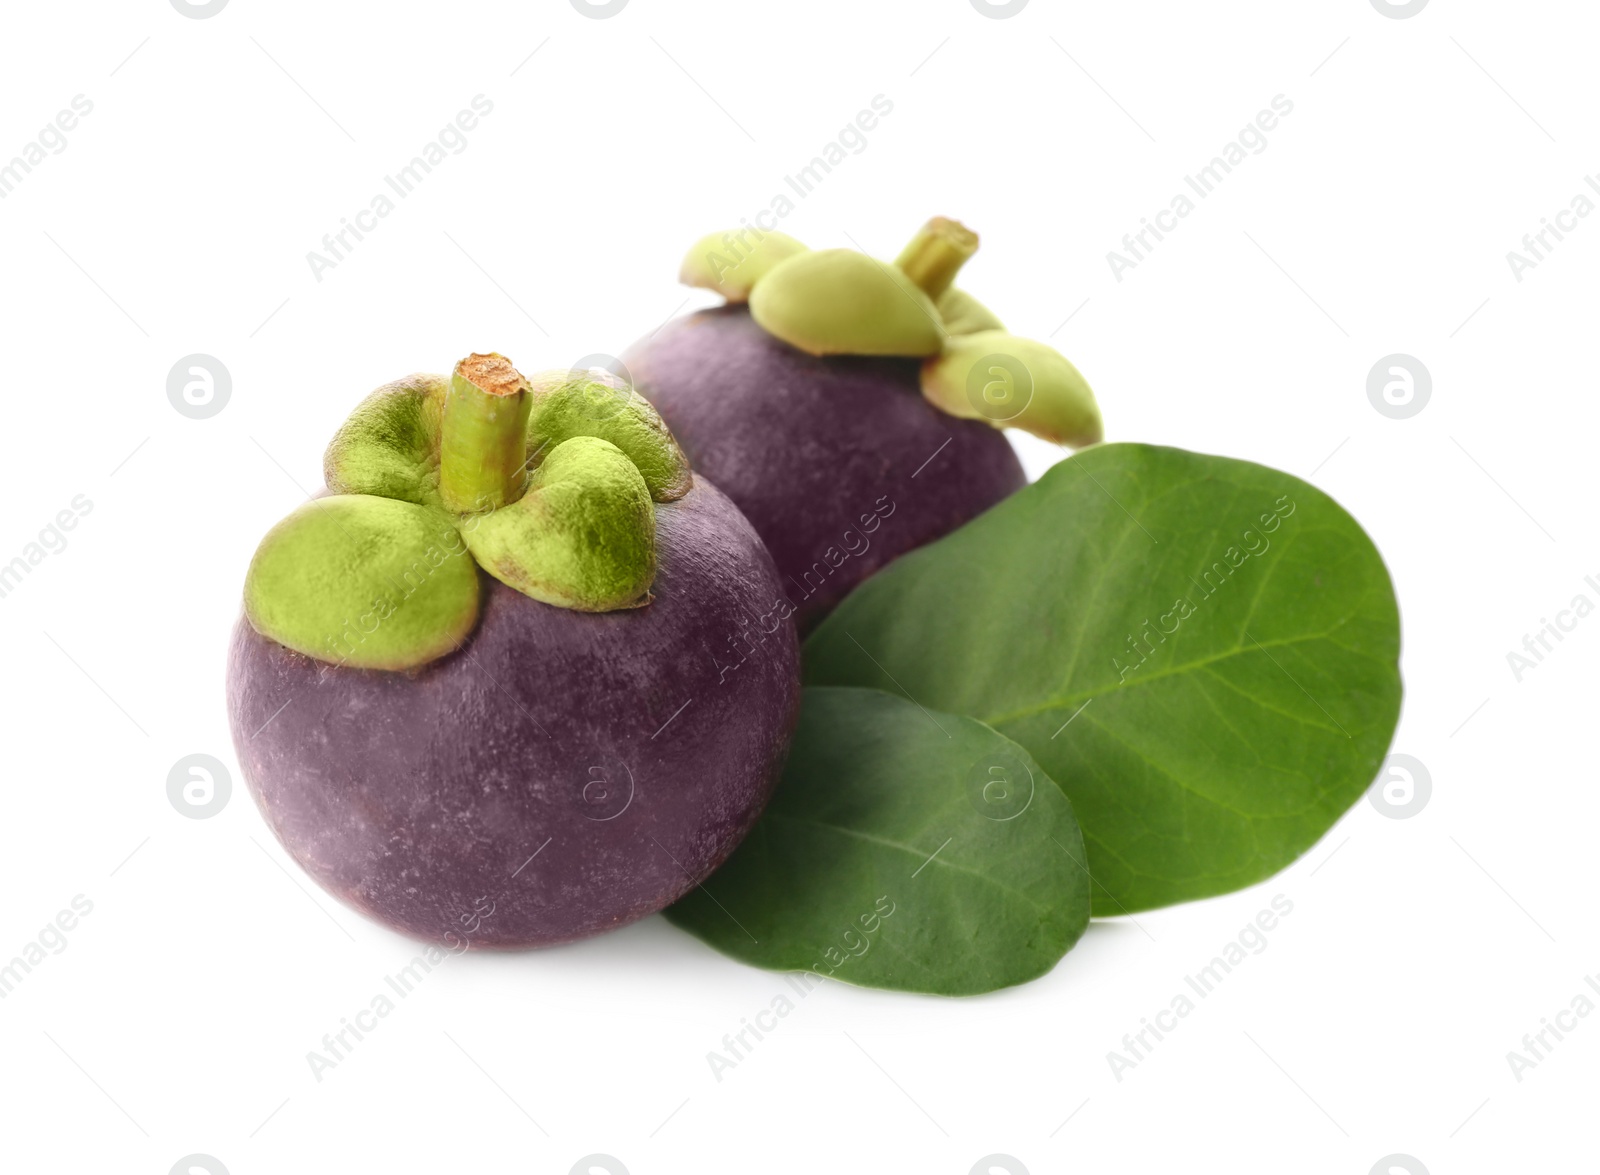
{"type": "Point", "coordinates": [525, 674]}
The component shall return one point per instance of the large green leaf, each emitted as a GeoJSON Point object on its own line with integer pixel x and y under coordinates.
{"type": "Point", "coordinates": [1201, 651]}
{"type": "Point", "coordinates": [904, 849]}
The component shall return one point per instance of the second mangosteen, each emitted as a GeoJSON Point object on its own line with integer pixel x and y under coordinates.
{"type": "Point", "coordinates": [851, 408]}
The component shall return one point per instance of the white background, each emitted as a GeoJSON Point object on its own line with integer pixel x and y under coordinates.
{"type": "Point", "coordinates": [1377, 220]}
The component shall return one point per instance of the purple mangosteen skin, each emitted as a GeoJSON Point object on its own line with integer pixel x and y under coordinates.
{"type": "Point", "coordinates": [567, 772]}
{"type": "Point", "coordinates": [839, 463]}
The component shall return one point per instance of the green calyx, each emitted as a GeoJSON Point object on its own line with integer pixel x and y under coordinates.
{"type": "Point", "coordinates": [964, 315]}
{"type": "Point", "coordinates": [595, 403]}
{"type": "Point", "coordinates": [365, 581]}
{"type": "Point", "coordinates": [389, 446]}
{"type": "Point", "coordinates": [1014, 382]}
{"type": "Point", "coordinates": [550, 485]}
{"type": "Point", "coordinates": [582, 537]}
{"type": "Point", "coordinates": [840, 302]}
{"type": "Point", "coordinates": [732, 262]}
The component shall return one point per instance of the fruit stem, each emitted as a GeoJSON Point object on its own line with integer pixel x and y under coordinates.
{"type": "Point", "coordinates": [940, 248]}
{"type": "Point", "coordinates": [484, 435]}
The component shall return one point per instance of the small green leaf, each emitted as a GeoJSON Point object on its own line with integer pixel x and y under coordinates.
{"type": "Point", "coordinates": [1202, 652]}
{"type": "Point", "coordinates": [904, 849]}
{"type": "Point", "coordinates": [582, 537]}
{"type": "Point", "coordinates": [389, 446]}
{"type": "Point", "coordinates": [363, 581]}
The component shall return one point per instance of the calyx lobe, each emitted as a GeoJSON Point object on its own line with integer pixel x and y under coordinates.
{"type": "Point", "coordinates": [550, 485]}
{"type": "Point", "coordinates": [842, 302]}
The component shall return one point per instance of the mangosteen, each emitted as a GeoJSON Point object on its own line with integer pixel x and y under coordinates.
{"type": "Point", "coordinates": [520, 677]}
{"type": "Point", "coordinates": [849, 407]}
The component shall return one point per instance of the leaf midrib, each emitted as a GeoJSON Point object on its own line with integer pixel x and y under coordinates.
{"type": "Point", "coordinates": [907, 849]}
{"type": "Point", "coordinates": [1062, 703]}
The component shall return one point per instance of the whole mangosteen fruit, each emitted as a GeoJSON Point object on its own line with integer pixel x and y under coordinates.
{"type": "Point", "coordinates": [849, 407]}
{"type": "Point", "coordinates": [485, 690]}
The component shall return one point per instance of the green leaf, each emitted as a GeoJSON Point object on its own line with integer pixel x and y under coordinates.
{"type": "Point", "coordinates": [1201, 651]}
{"type": "Point", "coordinates": [904, 849]}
